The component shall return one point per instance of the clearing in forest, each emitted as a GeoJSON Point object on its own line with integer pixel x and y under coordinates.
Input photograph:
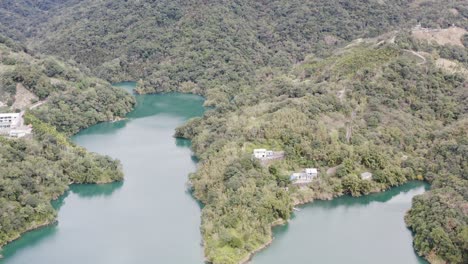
{"type": "Point", "coordinates": [452, 35]}
{"type": "Point", "coordinates": [23, 97]}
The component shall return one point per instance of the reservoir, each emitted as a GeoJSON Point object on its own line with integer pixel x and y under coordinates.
{"type": "Point", "coordinates": [151, 218]}
{"type": "Point", "coordinates": [148, 218]}
{"type": "Point", "coordinates": [368, 229]}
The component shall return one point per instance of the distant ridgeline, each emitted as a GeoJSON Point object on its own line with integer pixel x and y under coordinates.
{"type": "Point", "coordinates": [286, 75]}
{"type": "Point", "coordinates": [210, 45]}
{"type": "Point", "coordinates": [57, 100]}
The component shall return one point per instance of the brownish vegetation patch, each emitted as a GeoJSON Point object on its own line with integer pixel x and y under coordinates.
{"type": "Point", "coordinates": [23, 97]}
{"type": "Point", "coordinates": [450, 36]}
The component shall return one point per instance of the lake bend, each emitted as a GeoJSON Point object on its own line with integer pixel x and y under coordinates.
{"type": "Point", "coordinates": [150, 217]}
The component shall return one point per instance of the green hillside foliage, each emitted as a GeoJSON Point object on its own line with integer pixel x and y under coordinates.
{"type": "Point", "coordinates": [36, 170]}
{"type": "Point", "coordinates": [73, 100]}
{"type": "Point", "coordinates": [370, 108]}
{"type": "Point", "coordinates": [278, 74]}
{"type": "Point", "coordinates": [439, 217]}
{"type": "Point", "coordinates": [33, 172]}
{"type": "Point", "coordinates": [198, 45]}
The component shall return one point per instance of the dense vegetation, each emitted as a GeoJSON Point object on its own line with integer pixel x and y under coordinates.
{"type": "Point", "coordinates": [210, 45]}
{"type": "Point", "coordinates": [36, 170]}
{"type": "Point", "coordinates": [350, 113]}
{"type": "Point", "coordinates": [32, 172]}
{"type": "Point", "coordinates": [73, 100]}
{"type": "Point", "coordinates": [278, 77]}
{"type": "Point", "coordinates": [439, 217]}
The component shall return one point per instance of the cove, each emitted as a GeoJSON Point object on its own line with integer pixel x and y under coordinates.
{"type": "Point", "coordinates": [368, 229]}
{"type": "Point", "coordinates": [148, 218]}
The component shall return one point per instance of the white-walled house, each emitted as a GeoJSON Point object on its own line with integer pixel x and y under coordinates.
{"type": "Point", "coordinates": [9, 120]}
{"type": "Point", "coordinates": [306, 176]}
{"type": "Point", "coordinates": [366, 175]}
{"type": "Point", "coordinates": [19, 133]}
{"type": "Point", "coordinates": [312, 172]}
{"type": "Point", "coordinates": [266, 156]}
{"type": "Point", "coordinates": [262, 153]}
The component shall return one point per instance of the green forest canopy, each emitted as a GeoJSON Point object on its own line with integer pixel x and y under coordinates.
{"type": "Point", "coordinates": [277, 75]}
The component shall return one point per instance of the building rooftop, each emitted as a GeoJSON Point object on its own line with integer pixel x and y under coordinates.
{"type": "Point", "coordinates": [311, 170]}
{"type": "Point", "coordinates": [9, 114]}
{"type": "Point", "coordinates": [260, 150]}
{"type": "Point", "coordinates": [366, 175]}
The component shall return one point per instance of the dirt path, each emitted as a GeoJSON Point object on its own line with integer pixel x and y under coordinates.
{"type": "Point", "coordinates": [38, 104]}
{"type": "Point", "coordinates": [417, 55]}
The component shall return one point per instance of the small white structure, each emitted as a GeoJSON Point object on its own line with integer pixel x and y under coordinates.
{"type": "Point", "coordinates": [266, 157]}
{"type": "Point", "coordinates": [9, 120]}
{"type": "Point", "coordinates": [366, 175]}
{"type": "Point", "coordinates": [19, 133]}
{"type": "Point", "coordinates": [304, 177]}
{"type": "Point", "coordinates": [312, 172]}
{"type": "Point", "coordinates": [262, 153]}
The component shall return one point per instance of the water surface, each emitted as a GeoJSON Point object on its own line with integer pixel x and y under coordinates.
{"type": "Point", "coordinates": [148, 218]}
{"type": "Point", "coordinates": [368, 229]}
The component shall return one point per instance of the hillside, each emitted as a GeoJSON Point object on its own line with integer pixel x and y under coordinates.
{"type": "Point", "coordinates": [200, 45]}
{"type": "Point", "coordinates": [373, 106]}
{"type": "Point", "coordinates": [344, 86]}
{"type": "Point", "coordinates": [36, 170]}
{"type": "Point", "coordinates": [70, 100]}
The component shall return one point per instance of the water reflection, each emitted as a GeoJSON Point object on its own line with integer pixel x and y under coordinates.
{"type": "Point", "coordinates": [355, 229]}
{"type": "Point", "coordinates": [169, 104]}
{"type": "Point", "coordinates": [107, 128]}
{"type": "Point", "coordinates": [29, 240]}
{"type": "Point", "coordinates": [96, 222]}
{"type": "Point", "coordinates": [382, 197]}
{"type": "Point", "coordinates": [182, 142]}
{"type": "Point", "coordinates": [127, 86]}
{"type": "Point", "coordinates": [95, 190]}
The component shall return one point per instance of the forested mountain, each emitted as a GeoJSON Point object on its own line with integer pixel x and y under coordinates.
{"type": "Point", "coordinates": [197, 45]}
{"type": "Point", "coordinates": [345, 86]}
{"type": "Point", "coordinates": [34, 171]}
{"type": "Point", "coordinates": [373, 106]}
{"type": "Point", "coordinates": [16, 16]}
{"type": "Point", "coordinates": [72, 99]}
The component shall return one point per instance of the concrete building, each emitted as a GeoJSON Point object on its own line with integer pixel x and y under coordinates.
{"type": "Point", "coordinates": [304, 177]}
{"type": "Point", "coordinates": [9, 120]}
{"type": "Point", "coordinates": [266, 157]}
{"type": "Point", "coordinates": [366, 175]}
{"type": "Point", "coordinates": [262, 153]}
{"type": "Point", "coordinates": [19, 133]}
{"type": "Point", "coordinates": [312, 172]}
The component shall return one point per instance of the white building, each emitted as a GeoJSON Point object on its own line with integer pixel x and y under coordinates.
{"type": "Point", "coordinates": [9, 120]}
{"type": "Point", "coordinates": [19, 133]}
{"type": "Point", "coordinates": [306, 176]}
{"type": "Point", "coordinates": [366, 175]}
{"type": "Point", "coordinates": [262, 153]}
{"type": "Point", "coordinates": [312, 172]}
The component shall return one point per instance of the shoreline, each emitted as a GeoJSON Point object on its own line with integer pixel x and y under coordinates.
{"type": "Point", "coordinates": [250, 256]}
{"type": "Point", "coordinates": [54, 220]}
{"type": "Point", "coordinates": [279, 222]}
{"type": "Point", "coordinates": [29, 229]}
